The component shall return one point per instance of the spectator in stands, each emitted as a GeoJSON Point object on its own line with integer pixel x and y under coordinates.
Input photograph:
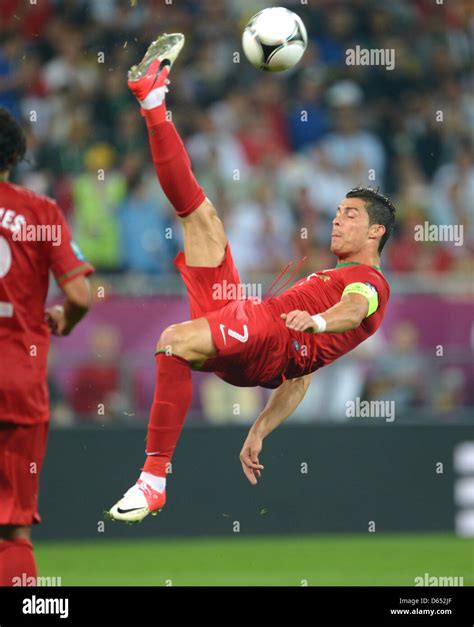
{"type": "Point", "coordinates": [400, 374]}
{"type": "Point", "coordinates": [147, 240]}
{"type": "Point", "coordinates": [10, 76]}
{"type": "Point", "coordinates": [97, 195]}
{"type": "Point", "coordinates": [260, 233]}
{"type": "Point", "coordinates": [452, 200]}
{"type": "Point", "coordinates": [308, 119]}
{"type": "Point", "coordinates": [353, 151]}
{"type": "Point", "coordinates": [96, 389]}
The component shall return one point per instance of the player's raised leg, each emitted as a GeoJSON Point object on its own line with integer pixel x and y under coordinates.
{"type": "Point", "coordinates": [204, 237]}
{"type": "Point", "coordinates": [187, 344]}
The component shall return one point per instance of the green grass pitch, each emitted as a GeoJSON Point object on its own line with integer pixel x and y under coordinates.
{"type": "Point", "coordinates": [355, 560]}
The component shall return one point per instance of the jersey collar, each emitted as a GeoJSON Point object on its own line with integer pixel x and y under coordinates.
{"type": "Point", "coordinates": [355, 263]}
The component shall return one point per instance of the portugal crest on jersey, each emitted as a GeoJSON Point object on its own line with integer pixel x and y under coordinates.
{"type": "Point", "coordinates": [323, 277]}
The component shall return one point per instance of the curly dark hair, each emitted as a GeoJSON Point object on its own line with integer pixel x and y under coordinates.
{"type": "Point", "coordinates": [379, 207]}
{"type": "Point", "coordinates": [12, 141]}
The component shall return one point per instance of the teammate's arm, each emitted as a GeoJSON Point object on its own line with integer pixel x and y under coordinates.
{"type": "Point", "coordinates": [70, 270]}
{"type": "Point", "coordinates": [63, 318]}
{"type": "Point", "coordinates": [281, 404]}
{"type": "Point", "coordinates": [345, 315]}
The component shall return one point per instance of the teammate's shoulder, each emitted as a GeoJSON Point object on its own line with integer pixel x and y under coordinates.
{"type": "Point", "coordinates": [30, 196]}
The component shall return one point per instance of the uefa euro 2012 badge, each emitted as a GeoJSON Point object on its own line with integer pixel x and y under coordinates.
{"type": "Point", "coordinates": [77, 251]}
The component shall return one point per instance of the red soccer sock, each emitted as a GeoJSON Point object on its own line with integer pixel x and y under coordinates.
{"type": "Point", "coordinates": [173, 168]}
{"type": "Point", "coordinates": [17, 560]}
{"type": "Point", "coordinates": [173, 394]}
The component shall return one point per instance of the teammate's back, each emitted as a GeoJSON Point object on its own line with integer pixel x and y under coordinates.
{"type": "Point", "coordinates": [34, 239]}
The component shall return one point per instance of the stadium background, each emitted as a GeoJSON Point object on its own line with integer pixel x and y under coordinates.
{"type": "Point", "coordinates": [275, 153]}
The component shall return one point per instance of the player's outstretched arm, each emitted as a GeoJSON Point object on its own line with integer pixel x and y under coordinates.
{"type": "Point", "coordinates": [281, 404]}
{"type": "Point", "coordinates": [63, 318]}
{"type": "Point", "coordinates": [345, 315]}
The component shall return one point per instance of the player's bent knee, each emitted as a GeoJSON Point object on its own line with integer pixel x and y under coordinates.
{"type": "Point", "coordinates": [170, 340]}
{"type": "Point", "coordinates": [190, 340]}
{"type": "Point", "coordinates": [178, 340]}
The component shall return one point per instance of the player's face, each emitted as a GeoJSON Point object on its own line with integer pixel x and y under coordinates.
{"type": "Point", "coordinates": [350, 228]}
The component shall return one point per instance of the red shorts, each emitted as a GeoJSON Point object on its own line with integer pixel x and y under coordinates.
{"type": "Point", "coordinates": [22, 449]}
{"type": "Point", "coordinates": [253, 345]}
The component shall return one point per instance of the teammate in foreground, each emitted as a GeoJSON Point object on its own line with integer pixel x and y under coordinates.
{"type": "Point", "coordinates": [34, 239]}
{"type": "Point", "coordinates": [275, 343]}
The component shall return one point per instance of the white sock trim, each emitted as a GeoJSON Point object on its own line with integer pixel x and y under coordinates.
{"type": "Point", "coordinates": [157, 483]}
{"type": "Point", "coordinates": [155, 98]}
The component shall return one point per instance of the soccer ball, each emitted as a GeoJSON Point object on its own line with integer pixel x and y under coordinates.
{"type": "Point", "coordinates": [275, 39]}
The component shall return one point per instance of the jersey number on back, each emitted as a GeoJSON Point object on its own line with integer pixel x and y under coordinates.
{"type": "Point", "coordinates": [5, 257]}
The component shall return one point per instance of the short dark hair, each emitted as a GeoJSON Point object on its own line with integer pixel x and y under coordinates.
{"type": "Point", "coordinates": [12, 141]}
{"type": "Point", "coordinates": [379, 207]}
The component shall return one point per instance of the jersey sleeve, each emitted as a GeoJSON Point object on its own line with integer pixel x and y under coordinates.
{"type": "Point", "coordinates": [366, 281]}
{"type": "Point", "coordinates": [65, 257]}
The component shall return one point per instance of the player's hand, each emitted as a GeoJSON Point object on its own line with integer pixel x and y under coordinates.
{"type": "Point", "coordinates": [299, 321]}
{"type": "Point", "coordinates": [56, 320]}
{"type": "Point", "coordinates": [249, 457]}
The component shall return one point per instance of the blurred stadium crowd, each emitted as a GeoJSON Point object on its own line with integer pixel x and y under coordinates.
{"type": "Point", "coordinates": [275, 153]}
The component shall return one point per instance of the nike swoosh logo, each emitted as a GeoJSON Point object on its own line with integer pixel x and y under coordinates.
{"type": "Point", "coordinates": [222, 328]}
{"type": "Point", "coordinates": [126, 511]}
{"type": "Point", "coordinates": [163, 63]}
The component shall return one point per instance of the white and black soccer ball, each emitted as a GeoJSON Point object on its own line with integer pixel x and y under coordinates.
{"type": "Point", "coordinates": [275, 39]}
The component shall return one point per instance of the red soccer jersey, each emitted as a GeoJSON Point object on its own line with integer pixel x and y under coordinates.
{"type": "Point", "coordinates": [34, 239]}
{"type": "Point", "coordinates": [317, 293]}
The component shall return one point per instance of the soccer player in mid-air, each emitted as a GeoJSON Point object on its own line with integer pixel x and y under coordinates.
{"type": "Point", "coordinates": [34, 240]}
{"type": "Point", "coordinates": [275, 343]}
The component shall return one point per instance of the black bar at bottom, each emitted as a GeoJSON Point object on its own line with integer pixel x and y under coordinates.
{"type": "Point", "coordinates": [236, 606]}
